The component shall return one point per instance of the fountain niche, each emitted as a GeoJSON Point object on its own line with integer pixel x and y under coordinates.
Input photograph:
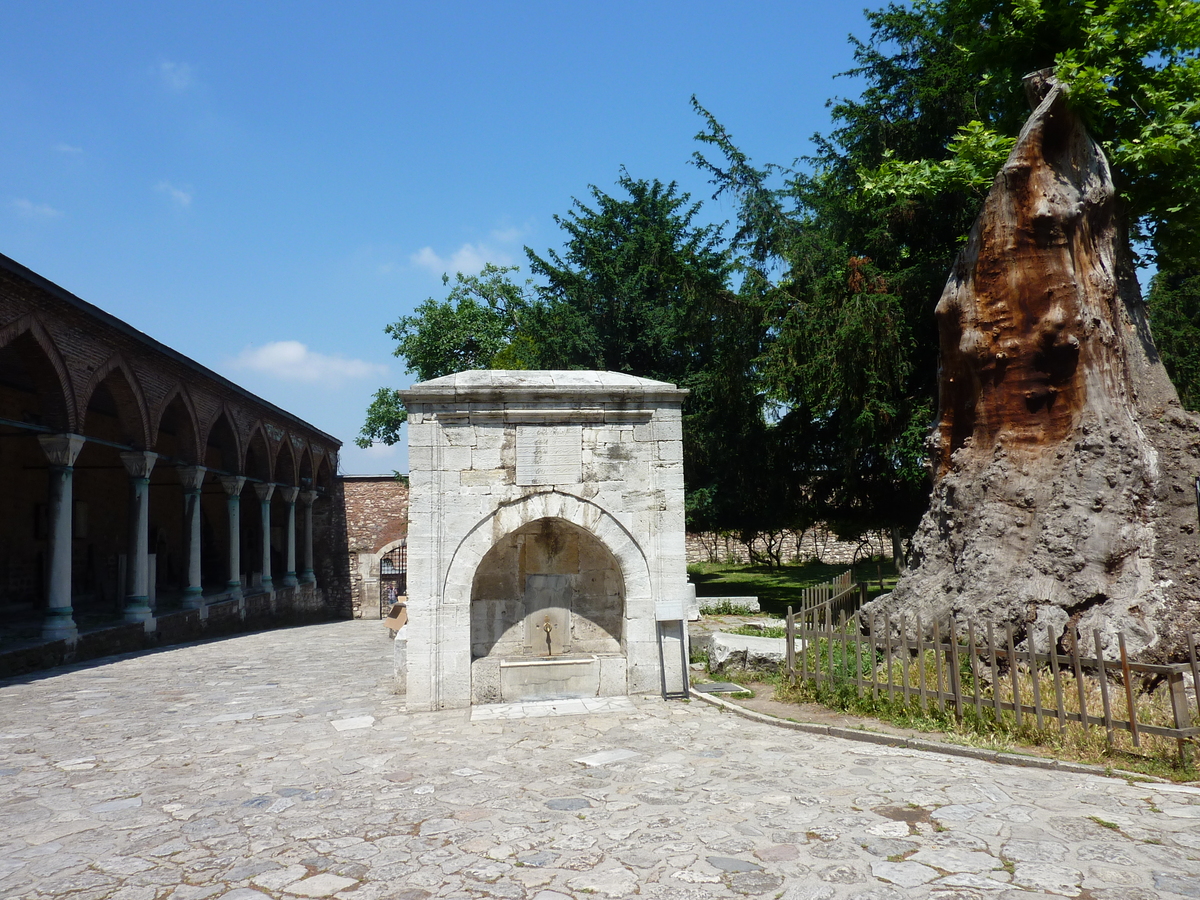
{"type": "Point", "coordinates": [547, 607]}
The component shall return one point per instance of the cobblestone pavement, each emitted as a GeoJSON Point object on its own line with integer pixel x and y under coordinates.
{"type": "Point", "coordinates": [278, 765]}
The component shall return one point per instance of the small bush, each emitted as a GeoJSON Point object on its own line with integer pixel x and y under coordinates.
{"type": "Point", "coordinates": [716, 607]}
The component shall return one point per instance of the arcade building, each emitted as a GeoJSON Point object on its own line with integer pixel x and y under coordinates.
{"type": "Point", "coordinates": [143, 497]}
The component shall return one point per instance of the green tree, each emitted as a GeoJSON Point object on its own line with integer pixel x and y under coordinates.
{"type": "Point", "coordinates": [638, 287]}
{"type": "Point", "coordinates": [474, 327]}
{"type": "Point", "coordinates": [848, 256]}
{"type": "Point", "coordinates": [1133, 70]}
{"type": "Point", "coordinates": [1174, 305]}
{"type": "Point", "coordinates": [641, 288]}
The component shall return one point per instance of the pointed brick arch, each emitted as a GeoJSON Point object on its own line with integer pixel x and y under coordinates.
{"type": "Point", "coordinates": [258, 459]}
{"type": "Point", "coordinates": [222, 434]}
{"type": "Point", "coordinates": [323, 477]}
{"type": "Point", "coordinates": [304, 467]}
{"type": "Point", "coordinates": [285, 464]}
{"type": "Point", "coordinates": [190, 449]}
{"type": "Point", "coordinates": [127, 394]}
{"type": "Point", "coordinates": [56, 394]}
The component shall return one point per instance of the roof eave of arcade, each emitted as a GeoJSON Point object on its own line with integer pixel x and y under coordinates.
{"type": "Point", "coordinates": [125, 328]}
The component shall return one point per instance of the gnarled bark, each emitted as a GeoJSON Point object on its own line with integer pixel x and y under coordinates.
{"type": "Point", "coordinates": [1063, 462]}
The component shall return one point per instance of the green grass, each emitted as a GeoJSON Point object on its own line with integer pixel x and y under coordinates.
{"type": "Point", "coordinates": [776, 589]}
{"type": "Point", "coordinates": [1157, 758]}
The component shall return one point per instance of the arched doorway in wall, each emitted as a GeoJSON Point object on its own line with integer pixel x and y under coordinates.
{"type": "Point", "coordinates": [393, 575]}
{"type": "Point", "coordinates": [547, 616]}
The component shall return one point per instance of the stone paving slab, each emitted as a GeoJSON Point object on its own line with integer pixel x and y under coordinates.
{"type": "Point", "coordinates": [278, 765]}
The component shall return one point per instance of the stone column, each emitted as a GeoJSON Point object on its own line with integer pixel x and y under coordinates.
{"type": "Point", "coordinates": [61, 450]}
{"type": "Point", "coordinates": [289, 497]}
{"type": "Point", "coordinates": [306, 574]}
{"type": "Point", "coordinates": [264, 492]}
{"type": "Point", "coordinates": [138, 463]}
{"type": "Point", "coordinates": [192, 478]}
{"type": "Point", "coordinates": [233, 485]}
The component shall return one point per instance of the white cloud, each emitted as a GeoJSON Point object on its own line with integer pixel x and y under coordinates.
{"type": "Point", "coordinates": [31, 210]}
{"type": "Point", "coordinates": [468, 259]}
{"type": "Point", "coordinates": [382, 451]}
{"type": "Point", "coordinates": [67, 148]}
{"type": "Point", "coordinates": [293, 361]}
{"type": "Point", "coordinates": [176, 76]}
{"type": "Point", "coordinates": [509, 235]}
{"type": "Point", "coordinates": [181, 196]}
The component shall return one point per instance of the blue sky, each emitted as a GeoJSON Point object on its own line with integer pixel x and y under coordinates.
{"type": "Point", "coordinates": [264, 186]}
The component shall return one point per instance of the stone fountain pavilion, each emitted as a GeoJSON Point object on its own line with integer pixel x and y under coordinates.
{"type": "Point", "coordinates": [546, 538]}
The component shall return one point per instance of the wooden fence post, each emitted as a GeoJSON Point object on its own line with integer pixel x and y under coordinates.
{"type": "Point", "coordinates": [1058, 691]}
{"type": "Point", "coordinates": [1011, 654]}
{"type": "Point", "coordinates": [955, 673]}
{"type": "Point", "coordinates": [829, 638]}
{"type": "Point", "coordinates": [1130, 705]}
{"type": "Point", "coordinates": [858, 672]}
{"type": "Point", "coordinates": [1033, 671]}
{"type": "Point", "coordinates": [1179, 707]}
{"type": "Point", "coordinates": [790, 652]}
{"type": "Point", "coordinates": [804, 647]}
{"type": "Point", "coordinates": [997, 709]}
{"type": "Point", "coordinates": [887, 653]}
{"type": "Point", "coordinates": [974, 670]}
{"type": "Point", "coordinates": [1108, 721]}
{"type": "Point", "coordinates": [1195, 670]}
{"type": "Point", "coordinates": [921, 663]}
{"type": "Point", "coordinates": [937, 664]}
{"type": "Point", "coordinates": [1079, 686]}
{"type": "Point", "coordinates": [874, 667]}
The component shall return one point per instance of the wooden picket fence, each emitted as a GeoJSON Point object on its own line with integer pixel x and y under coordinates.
{"type": "Point", "coordinates": [832, 599]}
{"type": "Point", "coordinates": [926, 666]}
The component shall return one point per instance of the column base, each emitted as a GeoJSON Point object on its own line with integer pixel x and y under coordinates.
{"type": "Point", "coordinates": [307, 577]}
{"type": "Point", "coordinates": [290, 580]}
{"type": "Point", "coordinates": [193, 598]}
{"type": "Point", "coordinates": [235, 590]}
{"type": "Point", "coordinates": [59, 627]}
{"type": "Point", "coordinates": [137, 609]}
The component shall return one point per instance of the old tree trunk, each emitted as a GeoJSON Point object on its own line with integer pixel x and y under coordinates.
{"type": "Point", "coordinates": [1064, 465]}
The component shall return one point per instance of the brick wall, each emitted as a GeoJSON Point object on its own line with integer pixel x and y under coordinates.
{"type": "Point", "coordinates": [376, 517]}
{"type": "Point", "coordinates": [329, 559]}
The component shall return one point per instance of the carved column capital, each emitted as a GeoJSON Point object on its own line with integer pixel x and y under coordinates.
{"type": "Point", "coordinates": [191, 477]}
{"type": "Point", "coordinates": [139, 463]}
{"type": "Point", "coordinates": [61, 449]}
{"type": "Point", "coordinates": [288, 493]}
{"type": "Point", "coordinates": [264, 491]}
{"type": "Point", "coordinates": [307, 497]}
{"type": "Point", "coordinates": [232, 484]}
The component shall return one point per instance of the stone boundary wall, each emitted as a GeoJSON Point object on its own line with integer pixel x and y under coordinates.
{"type": "Point", "coordinates": [798, 546]}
